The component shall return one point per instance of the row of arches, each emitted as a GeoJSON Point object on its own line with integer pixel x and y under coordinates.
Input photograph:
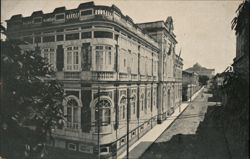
{"type": "Point", "coordinates": [105, 106]}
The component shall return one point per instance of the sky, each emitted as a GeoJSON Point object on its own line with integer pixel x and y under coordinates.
{"type": "Point", "coordinates": [202, 27]}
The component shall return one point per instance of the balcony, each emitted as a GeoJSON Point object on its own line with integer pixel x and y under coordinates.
{"type": "Point", "coordinates": [74, 15]}
{"type": "Point", "coordinates": [72, 125]}
{"type": "Point", "coordinates": [134, 77]}
{"type": "Point", "coordinates": [105, 76]}
{"type": "Point", "coordinates": [71, 75]}
{"type": "Point", "coordinates": [123, 76]}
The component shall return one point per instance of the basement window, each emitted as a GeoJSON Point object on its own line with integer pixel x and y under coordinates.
{"type": "Point", "coordinates": [71, 146]}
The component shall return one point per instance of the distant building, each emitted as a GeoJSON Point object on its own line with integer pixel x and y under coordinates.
{"type": "Point", "coordinates": [202, 71]}
{"type": "Point", "coordinates": [97, 51]}
{"type": "Point", "coordinates": [190, 84]}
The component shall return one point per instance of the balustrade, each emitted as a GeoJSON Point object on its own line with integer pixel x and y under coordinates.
{"type": "Point", "coordinates": [133, 77]}
{"type": "Point", "coordinates": [72, 125]}
{"type": "Point", "coordinates": [103, 75]}
{"type": "Point", "coordinates": [123, 76]}
{"type": "Point", "coordinates": [74, 75]}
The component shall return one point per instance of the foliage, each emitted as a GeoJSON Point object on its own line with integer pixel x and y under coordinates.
{"type": "Point", "coordinates": [203, 80]}
{"type": "Point", "coordinates": [236, 110]}
{"type": "Point", "coordinates": [31, 102]}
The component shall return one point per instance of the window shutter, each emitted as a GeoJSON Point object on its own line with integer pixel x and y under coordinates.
{"type": "Point", "coordinates": [59, 58]}
{"type": "Point", "coordinates": [116, 126]}
{"type": "Point", "coordinates": [86, 56]}
{"type": "Point", "coordinates": [85, 111]}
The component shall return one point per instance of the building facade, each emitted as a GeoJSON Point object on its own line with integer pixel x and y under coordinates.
{"type": "Point", "coordinates": [241, 60]}
{"type": "Point", "coordinates": [190, 84]}
{"type": "Point", "coordinates": [109, 67]}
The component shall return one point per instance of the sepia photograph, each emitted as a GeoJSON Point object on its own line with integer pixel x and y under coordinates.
{"type": "Point", "coordinates": [124, 79]}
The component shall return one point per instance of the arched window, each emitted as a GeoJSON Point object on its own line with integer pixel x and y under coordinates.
{"type": "Point", "coordinates": [123, 104]}
{"type": "Point", "coordinates": [154, 98]}
{"type": "Point", "coordinates": [72, 114]}
{"type": "Point", "coordinates": [133, 104]}
{"type": "Point", "coordinates": [169, 96]}
{"type": "Point", "coordinates": [148, 100]}
{"type": "Point", "coordinates": [142, 101]}
{"type": "Point", "coordinates": [104, 108]}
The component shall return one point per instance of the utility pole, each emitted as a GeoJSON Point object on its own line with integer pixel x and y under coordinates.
{"type": "Point", "coordinates": [128, 117]}
{"type": "Point", "coordinates": [190, 93]}
{"type": "Point", "coordinates": [98, 118]}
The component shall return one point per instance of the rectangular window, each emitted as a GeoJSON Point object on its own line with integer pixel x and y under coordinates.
{"type": "Point", "coordinates": [69, 114]}
{"type": "Point", "coordinates": [109, 57]}
{"type": "Point", "coordinates": [37, 39]}
{"type": "Point", "coordinates": [72, 61]}
{"type": "Point", "coordinates": [49, 55]}
{"type": "Point", "coordinates": [99, 59]}
{"type": "Point", "coordinates": [37, 20]}
{"type": "Point", "coordinates": [49, 38]}
{"type": "Point", "coordinates": [60, 16]}
{"type": "Point", "coordinates": [86, 12]}
{"type": "Point", "coordinates": [86, 35]}
{"type": "Point", "coordinates": [103, 34]}
{"type": "Point", "coordinates": [74, 36]}
{"type": "Point", "coordinates": [86, 27]}
{"type": "Point", "coordinates": [85, 148]}
{"type": "Point", "coordinates": [59, 38]}
{"type": "Point", "coordinates": [71, 146]}
{"type": "Point", "coordinates": [59, 30]}
{"type": "Point", "coordinates": [103, 56]}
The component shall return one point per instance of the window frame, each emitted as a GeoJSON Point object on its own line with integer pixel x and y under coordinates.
{"type": "Point", "coordinates": [34, 20]}
{"type": "Point", "coordinates": [50, 51]}
{"type": "Point", "coordinates": [103, 109]}
{"type": "Point", "coordinates": [86, 10]}
{"type": "Point", "coordinates": [103, 57]}
{"type": "Point", "coordinates": [68, 146]}
{"type": "Point", "coordinates": [72, 66]}
{"type": "Point", "coordinates": [59, 14]}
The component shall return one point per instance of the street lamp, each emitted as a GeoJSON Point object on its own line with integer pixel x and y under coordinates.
{"type": "Point", "coordinates": [190, 93]}
{"type": "Point", "coordinates": [98, 119]}
{"type": "Point", "coordinates": [128, 117]}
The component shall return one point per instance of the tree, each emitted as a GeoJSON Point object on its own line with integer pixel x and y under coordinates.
{"type": "Point", "coordinates": [203, 79]}
{"type": "Point", "coordinates": [31, 102]}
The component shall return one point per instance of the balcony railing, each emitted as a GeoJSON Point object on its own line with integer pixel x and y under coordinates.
{"type": "Point", "coordinates": [72, 125]}
{"type": "Point", "coordinates": [123, 76]}
{"type": "Point", "coordinates": [103, 75]}
{"type": "Point", "coordinates": [134, 77]}
{"type": "Point", "coordinates": [71, 75]}
{"type": "Point", "coordinates": [74, 16]}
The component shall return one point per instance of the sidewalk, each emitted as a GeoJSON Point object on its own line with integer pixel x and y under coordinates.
{"type": "Point", "coordinates": [139, 147]}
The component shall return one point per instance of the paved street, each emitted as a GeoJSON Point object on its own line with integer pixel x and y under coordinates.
{"type": "Point", "coordinates": [190, 136]}
{"type": "Point", "coordinates": [188, 121]}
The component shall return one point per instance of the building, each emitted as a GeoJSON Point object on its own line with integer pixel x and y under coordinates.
{"type": "Point", "coordinates": [169, 88]}
{"type": "Point", "coordinates": [241, 60]}
{"type": "Point", "coordinates": [202, 71]}
{"type": "Point", "coordinates": [190, 84]}
{"type": "Point", "coordinates": [107, 64]}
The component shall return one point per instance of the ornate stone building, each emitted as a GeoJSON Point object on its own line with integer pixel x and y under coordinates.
{"type": "Point", "coordinates": [103, 59]}
{"type": "Point", "coordinates": [190, 84]}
